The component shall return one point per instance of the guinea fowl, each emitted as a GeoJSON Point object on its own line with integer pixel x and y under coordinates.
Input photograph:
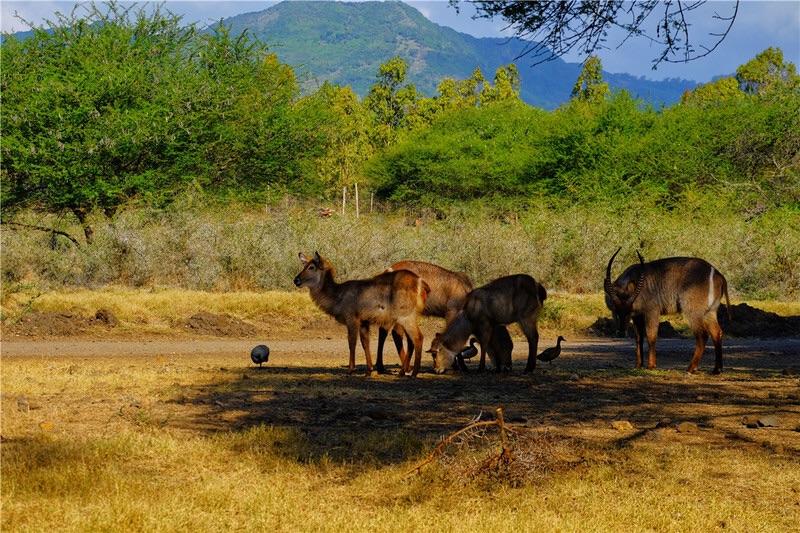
{"type": "Point", "coordinates": [551, 353]}
{"type": "Point", "coordinates": [260, 354]}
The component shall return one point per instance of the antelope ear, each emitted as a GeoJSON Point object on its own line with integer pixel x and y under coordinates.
{"type": "Point", "coordinates": [317, 258]}
{"type": "Point", "coordinates": [303, 258]}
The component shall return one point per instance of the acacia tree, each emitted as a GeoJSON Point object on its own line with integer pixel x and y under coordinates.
{"type": "Point", "coordinates": [82, 125]}
{"type": "Point", "coordinates": [506, 85]}
{"type": "Point", "coordinates": [347, 130]}
{"type": "Point", "coordinates": [583, 25]}
{"type": "Point", "coordinates": [460, 94]}
{"type": "Point", "coordinates": [712, 93]}
{"type": "Point", "coordinates": [767, 71]}
{"type": "Point", "coordinates": [124, 103]}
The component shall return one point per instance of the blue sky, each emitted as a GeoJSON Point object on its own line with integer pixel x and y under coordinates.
{"type": "Point", "coordinates": [759, 25]}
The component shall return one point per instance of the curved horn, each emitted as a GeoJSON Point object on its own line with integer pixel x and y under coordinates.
{"type": "Point", "coordinates": [637, 289]}
{"type": "Point", "coordinates": [641, 259]}
{"type": "Point", "coordinates": [609, 288]}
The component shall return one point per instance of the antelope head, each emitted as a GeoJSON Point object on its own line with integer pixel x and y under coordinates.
{"type": "Point", "coordinates": [620, 297]}
{"type": "Point", "coordinates": [314, 271]}
{"type": "Point", "coordinates": [443, 357]}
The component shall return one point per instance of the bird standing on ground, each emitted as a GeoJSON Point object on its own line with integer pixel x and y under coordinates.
{"type": "Point", "coordinates": [260, 354]}
{"type": "Point", "coordinates": [467, 353]}
{"type": "Point", "coordinates": [551, 353]}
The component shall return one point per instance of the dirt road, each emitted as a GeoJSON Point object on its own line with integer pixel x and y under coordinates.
{"type": "Point", "coordinates": [305, 385]}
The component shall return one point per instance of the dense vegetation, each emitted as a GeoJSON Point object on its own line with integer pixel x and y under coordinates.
{"type": "Point", "coordinates": [346, 42]}
{"type": "Point", "coordinates": [115, 122]}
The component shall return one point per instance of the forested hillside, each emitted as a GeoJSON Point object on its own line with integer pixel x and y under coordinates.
{"type": "Point", "coordinates": [345, 42]}
{"type": "Point", "coordinates": [125, 111]}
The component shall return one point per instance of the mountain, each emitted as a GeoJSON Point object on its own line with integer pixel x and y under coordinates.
{"type": "Point", "coordinates": [345, 43]}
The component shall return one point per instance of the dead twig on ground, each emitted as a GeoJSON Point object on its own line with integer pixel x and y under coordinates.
{"type": "Point", "coordinates": [499, 422]}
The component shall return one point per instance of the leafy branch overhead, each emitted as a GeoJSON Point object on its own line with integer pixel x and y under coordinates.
{"type": "Point", "coordinates": [584, 25]}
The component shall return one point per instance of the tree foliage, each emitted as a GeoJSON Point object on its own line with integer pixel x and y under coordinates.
{"type": "Point", "coordinates": [590, 86]}
{"type": "Point", "coordinates": [124, 103]}
{"type": "Point", "coordinates": [767, 72]}
{"type": "Point", "coordinates": [608, 147]}
{"type": "Point", "coordinates": [583, 25]}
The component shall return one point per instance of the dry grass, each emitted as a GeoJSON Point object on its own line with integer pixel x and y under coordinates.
{"type": "Point", "coordinates": [238, 248]}
{"type": "Point", "coordinates": [160, 310]}
{"type": "Point", "coordinates": [109, 445]}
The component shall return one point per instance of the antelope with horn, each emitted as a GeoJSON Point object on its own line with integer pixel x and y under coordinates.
{"type": "Point", "coordinates": [646, 291]}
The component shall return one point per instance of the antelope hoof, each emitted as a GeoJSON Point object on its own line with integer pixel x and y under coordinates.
{"type": "Point", "coordinates": [380, 369]}
{"type": "Point", "coordinates": [716, 371]}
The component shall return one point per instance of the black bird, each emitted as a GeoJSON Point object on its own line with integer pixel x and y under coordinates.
{"type": "Point", "coordinates": [260, 354]}
{"type": "Point", "coordinates": [467, 353]}
{"type": "Point", "coordinates": [470, 351]}
{"type": "Point", "coordinates": [551, 353]}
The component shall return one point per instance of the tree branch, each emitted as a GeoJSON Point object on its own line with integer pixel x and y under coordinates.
{"type": "Point", "coordinates": [42, 228]}
{"type": "Point", "coordinates": [498, 422]}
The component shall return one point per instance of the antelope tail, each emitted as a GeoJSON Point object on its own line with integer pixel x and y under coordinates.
{"type": "Point", "coordinates": [727, 299]}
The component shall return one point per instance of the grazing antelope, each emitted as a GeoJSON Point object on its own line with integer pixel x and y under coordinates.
{"type": "Point", "coordinates": [392, 300]}
{"type": "Point", "coordinates": [499, 350]}
{"type": "Point", "coordinates": [667, 286]}
{"type": "Point", "coordinates": [449, 291]}
{"type": "Point", "coordinates": [516, 298]}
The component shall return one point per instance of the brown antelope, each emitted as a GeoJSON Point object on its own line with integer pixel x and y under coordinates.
{"type": "Point", "coordinates": [687, 285]}
{"type": "Point", "coordinates": [449, 291]}
{"type": "Point", "coordinates": [516, 298]}
{"type": "Point", "coordinates": [392, 300]}
{"type": "Point", "coordinates": [499, 349]}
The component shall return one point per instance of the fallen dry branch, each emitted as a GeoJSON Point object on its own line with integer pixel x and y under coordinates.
{"type": "Point", "coordinates": [466, 430]}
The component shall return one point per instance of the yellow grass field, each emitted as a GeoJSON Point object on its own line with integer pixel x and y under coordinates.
{"type": "Point", "coordinates": [150, 425]}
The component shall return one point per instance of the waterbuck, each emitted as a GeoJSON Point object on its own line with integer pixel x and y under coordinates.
{"type": "Point", "coordinates": [499, 349]}
{"type": "Point", "coordinates": [687, 285]}
{"type": "Point", "coordinates": [516, 298]}
{"type": "Point", "coordinates": [392, 300]}
{"type": "Point", "coordinates": [449, 291]}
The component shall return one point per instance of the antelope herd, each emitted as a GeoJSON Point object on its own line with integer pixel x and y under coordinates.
{"type": "Point", "coordinates": [395, 299]}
